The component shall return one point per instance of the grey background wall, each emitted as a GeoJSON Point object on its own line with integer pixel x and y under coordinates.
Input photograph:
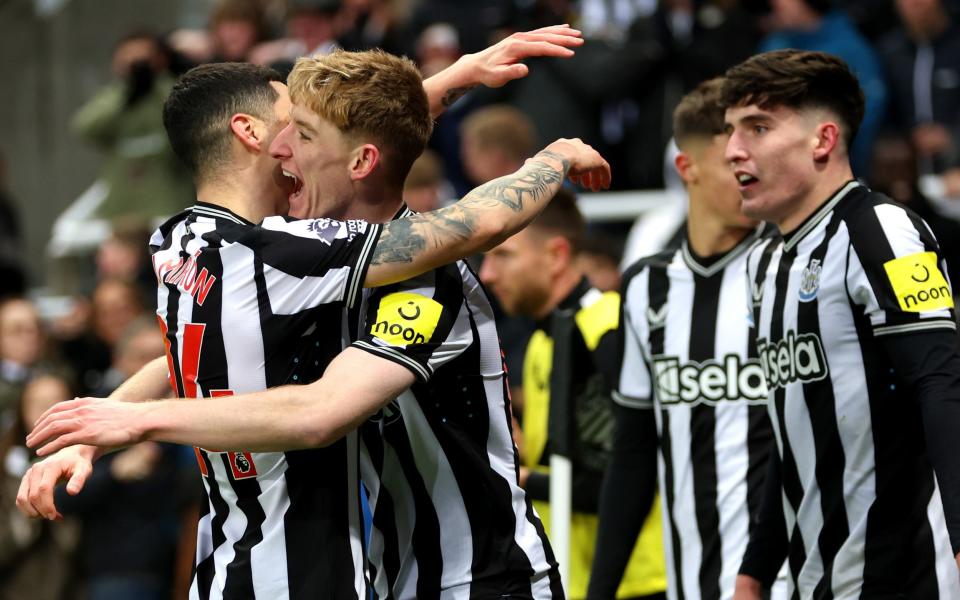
{"type": "Point", "coordinates": [54, 54]}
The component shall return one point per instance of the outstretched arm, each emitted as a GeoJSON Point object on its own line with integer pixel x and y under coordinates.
{"type": "Point", "coordinates": [283, 418]}
{"type": "Point", "coordinates": [486, 216]}
{"type": "Point", "coordinates": [498, 64]}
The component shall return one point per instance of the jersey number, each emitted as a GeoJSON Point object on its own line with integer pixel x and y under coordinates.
{"type": "Point", "coordinates": [184, 384]}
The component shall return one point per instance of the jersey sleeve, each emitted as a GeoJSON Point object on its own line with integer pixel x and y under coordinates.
{"type": "Point", "coordinates": [421, 324]}
{"type": "Point", "coordinates": [310, 262]}
{"type": "Point", "coordinates": [633, 385]}
{"type": "Point", "coordinates": [896, 273]}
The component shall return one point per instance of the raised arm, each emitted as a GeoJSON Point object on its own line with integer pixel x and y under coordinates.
{"type": "Point", "coordinates": [484, 217]}
{"type": "Point", "coordinates": [498, 64]}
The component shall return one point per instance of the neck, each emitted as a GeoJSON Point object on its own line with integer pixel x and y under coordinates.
{"type": "Point", "coordinates": [242, 193]}
{"type": "Point", "coordinates": [563, 285]}
{"type": "Point", "coordinates": [708, 235]}
{"type": "Point", "coordinates": [374, 202]}
{"type": "Point", "coordinates": [827, 183]}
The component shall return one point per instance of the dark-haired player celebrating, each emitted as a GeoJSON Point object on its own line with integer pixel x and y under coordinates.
{"type": "Point", "coordinates": [855, 330]}
{"type": "Point", "coordinates": [248, 301]}
{"type": "Point", "coordinates": [690, 388]}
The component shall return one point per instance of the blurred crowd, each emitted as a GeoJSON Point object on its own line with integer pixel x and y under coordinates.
{"type": "Point", "coordinates": [120, 538]}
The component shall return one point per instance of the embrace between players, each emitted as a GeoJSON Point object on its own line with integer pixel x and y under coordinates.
{"type": "Point", "coordinates": [862, 385]}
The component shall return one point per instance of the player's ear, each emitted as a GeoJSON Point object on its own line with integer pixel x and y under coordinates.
{"type": "Point", "coordinates": [363, 160]}
{"type": "Point", "coordinates": [827, 140]}
{"type": "Point", "coordinates": [685, 167]}
{"type": "Point", "coordinates": [248, 130]}
{"type": "Point", "coordinates": [560, 252]}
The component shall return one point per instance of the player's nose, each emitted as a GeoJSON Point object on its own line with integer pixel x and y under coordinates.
{"type": "Point", "coordinates": [280, 146]}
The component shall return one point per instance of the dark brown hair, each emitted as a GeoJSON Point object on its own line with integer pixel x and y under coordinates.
{"type": "Point", "coordinates": [699, 113]}
{"type": "Point", "coordinates": [197, 112]}
{"type": "Point", "coordinates": [797, 79]}
{"type": "Point", "coordinates": [562, 217]}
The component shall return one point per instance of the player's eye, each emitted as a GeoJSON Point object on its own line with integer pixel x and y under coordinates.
{"type": "Point", "coordinates": [303, 136]}
{"type": "Point", "coordinates": [760, 129]}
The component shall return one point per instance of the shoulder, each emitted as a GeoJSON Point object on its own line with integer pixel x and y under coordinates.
{"type": "Point", "coordinates": [660, 260]}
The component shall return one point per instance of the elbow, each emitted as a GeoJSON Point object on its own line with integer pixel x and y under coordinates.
{"type": "Point", "coordinates": [317, 435]}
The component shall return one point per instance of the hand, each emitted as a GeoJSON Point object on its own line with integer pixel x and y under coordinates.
{"type": "Point", "coordinates": [747, 588]}
{"type": "Point", "coordinates": [500, 63]}
{"type": "Point", "coordinates": [524, 474]}
{"type": "Point", "coordinates": [587, 167]}
{"type": "Point", "coordinates": [95, 421]}
{"type": "Point", "coordinates": [35, 497]}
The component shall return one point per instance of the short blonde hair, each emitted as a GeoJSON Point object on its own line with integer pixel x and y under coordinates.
{"type": "Point", "coordinates": [368, 94]}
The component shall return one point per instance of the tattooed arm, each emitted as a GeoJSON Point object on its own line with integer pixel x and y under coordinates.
{"type": "Point", "coordinates": [484, 217]}
{"type": "Point", "coordinates": [498, 64]}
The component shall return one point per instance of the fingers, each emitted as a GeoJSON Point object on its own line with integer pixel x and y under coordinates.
{"type": "Point", "coordinates": [23, 495]}
{"type": "Point", "coordinates": [58, 442]}
{"type": "Point", "coordinates": [559, 39]}
{"type": "Point", "coordinates": [511, 72]}
{"type": "Point", "coordinates": [80, 475]}
{"type": "Point", "coordinates": [39, 495]}
{"type": "Point", "coordinates": [524, 49]}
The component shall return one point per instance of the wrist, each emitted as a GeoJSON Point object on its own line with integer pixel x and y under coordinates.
{"type": "Point", "coordinates": [148, 420]}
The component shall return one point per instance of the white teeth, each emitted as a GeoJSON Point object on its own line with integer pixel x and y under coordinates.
{"type": "Point", "coordinates": [290, 175]}
{"type": "Point", "coordinates": [744, 177]}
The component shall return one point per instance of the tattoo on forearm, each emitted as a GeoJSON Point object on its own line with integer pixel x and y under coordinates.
{"type": "Point", "coordinates": [454, 94]}
{"type": "Point", "coordinates": [533, 182]}
{"type": "Point", "coordinates": [404, 239]}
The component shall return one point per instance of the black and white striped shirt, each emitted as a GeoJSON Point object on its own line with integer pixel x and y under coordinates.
{"type": "Point", "coordinates": [861, 505]}
{"type": "Point", "coordinates": [439, 462]}
{"type": "Point", "coordinates": [688, 355]}
{"type": "Point", "coordinates": [243, 308]}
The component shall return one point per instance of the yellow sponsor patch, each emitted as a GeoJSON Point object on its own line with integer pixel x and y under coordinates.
{"type": "Point", "coordinates": [405, 319]}
{"type": "Point", "coordinates": [918, 283]}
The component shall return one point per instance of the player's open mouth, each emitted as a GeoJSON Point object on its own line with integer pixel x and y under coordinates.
{"type": "Point", "coordinates": [745, 179]}
{"type": "Point", "coordinates": [297, 184]}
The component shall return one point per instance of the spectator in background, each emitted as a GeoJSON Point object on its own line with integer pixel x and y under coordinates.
{"type": "Point", "coordinates": [22, 353]}
{"type": "Point", "coordinates": [922, 58]}
{"type": "Point", "coordinates": [425, 188]}
{"type": "Point", "coordinates": [114, 304]}
{"type": "Point", "coordinates": [313, 27]}
{"type": "Point", "coordinates": [124, 120]}
{"type": "Point", "coordinates": [369, 24]}
{"type": "Point", "coordinates": [124, 256]}
{"type": "Point", "coordinates": [236, 26]}
{"type": "Point", "coordinates": [494, 141]}
{"type": "Point", "coordinates": [438, 47]}
{"type": "Point", "coordinates": [131, 506]}
{"type": "Point", "coordinates": [895, 174]}
{"type": "Point", "coordinates": [599, 259]}
{"type": "Point", "coordinates": [535, 273]}
{"type": "Point", "coordinates": [36, 556]}
{"type": "Point", "coordinates": [13, 280]}
{"type": "Point", "coordinates": [817, 25]}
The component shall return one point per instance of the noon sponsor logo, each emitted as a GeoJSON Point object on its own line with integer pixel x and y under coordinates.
{"type": "Point", "coordinates": [918, 283]}
{"type": "Point", "coordinates": [793, 358]}
{"type": "Point", "coordinates": [729, 379]}
{"type": "Point", "coordinates": [405, 319]}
